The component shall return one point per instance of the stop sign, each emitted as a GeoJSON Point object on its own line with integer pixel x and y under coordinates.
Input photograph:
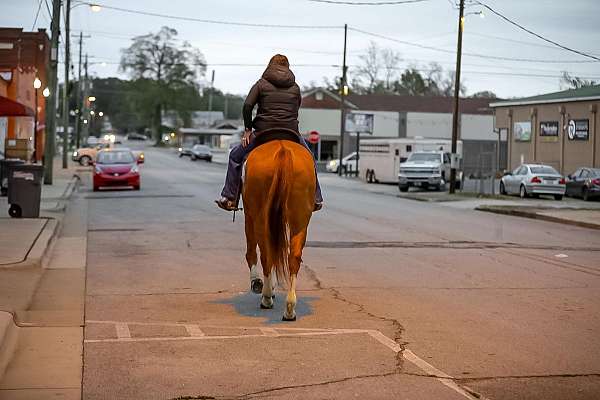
{"type": "Point", "coordinates": [313, 137]}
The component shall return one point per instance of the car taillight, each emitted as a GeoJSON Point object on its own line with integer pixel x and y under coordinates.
{"type": "Point", "coordinates": [535, 179]}
{"type": "Point", "coordinates": [562, 181]}
{"type": "Point", "coordinates": [596, 182]}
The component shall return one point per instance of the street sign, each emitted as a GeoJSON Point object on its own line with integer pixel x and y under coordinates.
{"type": "Point", "coordinates": [359, 123]}
{"type": "Point", "coordinates": [313, 137]}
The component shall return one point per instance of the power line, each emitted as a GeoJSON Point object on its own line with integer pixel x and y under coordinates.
{"type": "Point", "coordinates": [210, 21]}
{"type": "Point", "coordinates": [536, 34]}
{"type": "Point", "coordinates": [37, 14]}
{"type": "Point", "coordinates": [486, 56]}
{"type": "Point", "coordinates": [367, 3]}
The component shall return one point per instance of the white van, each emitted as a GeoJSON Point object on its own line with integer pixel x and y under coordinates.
{"type": "Point", "coordinates": [380, 159]}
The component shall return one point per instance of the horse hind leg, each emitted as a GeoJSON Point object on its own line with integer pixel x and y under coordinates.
{"type": "Point", "coordinates": [256, 284]}
{"type": "Point", "coordinates": [266, 301]}
{"type": "Point", "coordinates": [294, 260]}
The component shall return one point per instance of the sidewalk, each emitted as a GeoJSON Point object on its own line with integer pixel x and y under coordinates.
{"type": "Point", "coordinates": [25, 250]}
{"type": "Point", "coordinates": [587, 218]}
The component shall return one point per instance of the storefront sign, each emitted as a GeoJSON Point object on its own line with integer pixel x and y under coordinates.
{"type": "Point", "coordinates": [578, 129]}
{"type": "Point", "coordinates": [549, 128]}
{"type": "Point", "coordinates": [522, 131]}
{"type": "Point", "coordinates": [358, 122]}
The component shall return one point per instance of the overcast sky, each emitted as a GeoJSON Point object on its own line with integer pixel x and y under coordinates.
{"type": "Point", "coordinates": [432, 23]}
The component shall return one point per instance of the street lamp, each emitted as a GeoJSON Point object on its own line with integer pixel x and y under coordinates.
{"type": "Point", "coordinates": [101, 114]}
{"type": "Point", "coordinates": [92, 113]}
{"type": "Point", "coordinates": [36, 85]}
{"type": "Point", "coordinates": [46, 92]}
{"type": "Point", "coordinates": [92, 99]}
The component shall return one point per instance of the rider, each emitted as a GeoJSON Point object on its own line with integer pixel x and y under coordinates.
{"type": "Point", "coordinates": [278, 98]}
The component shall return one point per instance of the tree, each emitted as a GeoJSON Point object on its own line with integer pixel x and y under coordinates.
{"type": "Point", "coordinates": [391, 59]}
{"type": "Point", "coordinates": [166, 71]}
{"type": "Point", "coordinates": [568, 81]}
{"type": "Point", "coordinates": [369, 70]}
{"type": "Point", "coordinates": [484, 94]}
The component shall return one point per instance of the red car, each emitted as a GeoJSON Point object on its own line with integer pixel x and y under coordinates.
{"type": "Point", "coordinates": [116, 168]}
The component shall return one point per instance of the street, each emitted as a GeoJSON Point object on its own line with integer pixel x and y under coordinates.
{"type": "Point", "coordinates": [396, 299]}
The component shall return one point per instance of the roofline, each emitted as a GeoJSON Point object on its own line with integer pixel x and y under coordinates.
{"type": "Point", "coordinates": [551, 101]}
{"type": "Point", "coordinates": [330, 94]}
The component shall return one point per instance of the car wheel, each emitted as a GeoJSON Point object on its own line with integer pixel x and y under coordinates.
{"type": "Point", "coordinates": [585, 194]}
{"type": "Point", "coordinates": [85, 161]}
{"type": "Point", "coordinates": [523, 192]}
{"type": "Point", "coordinates": [193, 157]}
{"type": "Point", "coordinates": [502, 188]}
{"type": "Point", "coordinates": [209, 159]}
{"type": "Point", "coordinates": [136, 187]}
{"type": "Point", "coordinates": [403, 188]}
{"type": "Point", "coordinates": [96, 188]}
{"type": "Point", "coordinates": [180, 155]}
{"type": "Point", "coordinates": [369, 176]}
{"type": "Point", "coordinates": [558, 197]}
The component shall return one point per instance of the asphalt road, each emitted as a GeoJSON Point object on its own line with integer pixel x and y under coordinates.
{"type": "Point", "coordinates": [397, 299]}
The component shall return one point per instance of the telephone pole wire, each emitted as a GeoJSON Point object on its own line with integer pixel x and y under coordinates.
{"type": "Point", "coordinates": [343, 89]}
{"type": "Point", "coordinates": [51, 101]}
{"type": "Point", "coordinates": [455, 113]}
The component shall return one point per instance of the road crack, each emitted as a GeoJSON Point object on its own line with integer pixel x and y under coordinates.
{"type": "Point", "coordinates": [397, 326]}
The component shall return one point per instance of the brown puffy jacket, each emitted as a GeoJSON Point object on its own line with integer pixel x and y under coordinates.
{"type": "Point", "coordinates": [278, 98]}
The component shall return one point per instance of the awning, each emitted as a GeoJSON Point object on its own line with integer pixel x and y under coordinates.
{"type": "Point", "coordinates": [11, 108]}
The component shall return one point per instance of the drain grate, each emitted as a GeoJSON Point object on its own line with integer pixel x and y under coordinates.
{"type": "Point", "coordinates": [442, 245]}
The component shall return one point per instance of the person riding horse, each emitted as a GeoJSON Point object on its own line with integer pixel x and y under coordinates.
{"type": "Point", "coordinates": [278, 98]}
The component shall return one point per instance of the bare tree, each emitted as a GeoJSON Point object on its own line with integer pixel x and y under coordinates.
{"type": "Point", "coordinates": [370, 68]}
{"type": "Point", "coordinates": [391, 59]}
{"type": "Point", "coordinates": [568, 81]}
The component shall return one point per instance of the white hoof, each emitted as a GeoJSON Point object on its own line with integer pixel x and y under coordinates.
{"type": "Point", "coordinates": [266, 302]}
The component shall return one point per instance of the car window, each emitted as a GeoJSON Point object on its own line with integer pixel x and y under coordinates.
{"type": "Point", "coordinates": [352, 158]}
{"type": "Point", "coordinates": [431, 157]}
{"type": "Point", "coordinates": [115, 157]}
{"type": "Point", "coordinates": [595, 172]}
{"type": "Point", "coordinates": [584, 174]}
{"type": "Point", "coordinates": [576, 173]}
{"type": "Point", "coordinates": [516, 170]}
{"type": "Point", "coordinates": [544, 169]}
{"type": "Point", "coordinates": [447, 158]}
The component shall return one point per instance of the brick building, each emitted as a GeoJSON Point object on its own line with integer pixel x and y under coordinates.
{"type": "Point", "coordinates": [23, 57]}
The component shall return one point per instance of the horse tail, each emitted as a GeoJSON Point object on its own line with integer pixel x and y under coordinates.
{"type": "Point", "coordinates": [276, 212]}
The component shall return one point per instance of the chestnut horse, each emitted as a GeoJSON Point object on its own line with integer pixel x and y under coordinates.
{"type": "Point", "coordinates": [279, 196]}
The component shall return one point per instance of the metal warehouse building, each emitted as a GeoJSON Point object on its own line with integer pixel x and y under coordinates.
{"type": "Point", "coordinates": [559, 129]}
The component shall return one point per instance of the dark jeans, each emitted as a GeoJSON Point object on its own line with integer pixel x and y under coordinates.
{"type": "Point", "coordinates": [233, 181]}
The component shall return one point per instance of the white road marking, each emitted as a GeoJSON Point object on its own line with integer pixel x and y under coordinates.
{"type": "Point", "coordinates": [561, 255]}
{"type": "Point", "coordinates": [122, 330]}
{"type": "Point", "coordinates": [195, 333]}
{"type": "Point", "coordinates": [194, 330]}
{"type": "Point", "coordinates": [269, 332]}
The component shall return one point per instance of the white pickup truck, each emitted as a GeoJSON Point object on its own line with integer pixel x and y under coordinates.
{"type": "Point", "coordinates": [426, 169]}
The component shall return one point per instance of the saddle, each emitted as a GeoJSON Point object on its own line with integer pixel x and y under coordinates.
{"type": "Point", "coordinates": [276, 134]}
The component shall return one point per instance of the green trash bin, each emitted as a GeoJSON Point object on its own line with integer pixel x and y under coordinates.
{"type": "Point", "coordinates": [25, 190]}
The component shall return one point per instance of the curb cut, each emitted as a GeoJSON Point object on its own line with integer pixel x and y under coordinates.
{"type": "Point", "coordinates": [534, 215]}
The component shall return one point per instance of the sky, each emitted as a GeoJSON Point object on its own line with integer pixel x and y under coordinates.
{"type": "Point", "coordinates": [317, 53]}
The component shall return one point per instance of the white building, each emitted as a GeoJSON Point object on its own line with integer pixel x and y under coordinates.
{"type": "Point", "coordinates": [402, 117]}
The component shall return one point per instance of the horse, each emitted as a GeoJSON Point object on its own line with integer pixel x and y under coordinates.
{"type": "Point", "coordinates": [278, 195]}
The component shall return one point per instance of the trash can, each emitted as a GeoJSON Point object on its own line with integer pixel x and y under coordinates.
{"type": "Point", "coordinates": [25, 190]}
{"type": "Point", "coordinates": [4, 164]}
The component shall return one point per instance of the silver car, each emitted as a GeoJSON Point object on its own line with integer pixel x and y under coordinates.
{"type": "Point", "coordinates": [533, 180]}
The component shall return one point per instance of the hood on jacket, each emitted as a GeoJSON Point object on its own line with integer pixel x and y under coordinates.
{"type": "Point", "coordinates": [279, 76]}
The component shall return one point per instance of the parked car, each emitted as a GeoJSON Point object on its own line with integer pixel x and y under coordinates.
{"type": "Point", "coordinates": [185, 152]}
{"type": "Point", "coordinates": [87, 155]}
{"type": "Point", "coordinates": [135, 136]}
{"type": "Point", "coordinates": [533, 180]}
{"type": "Point", "coordinates": [201, 152]}
{"type": "Point", "coordinates": [584, 183]}
{"type": "Point", "coordinates": [426, 169]}
{"type": "Point", "coordinates": [116, 168]}
{"type": "Point", "coordinates": [348, 163]}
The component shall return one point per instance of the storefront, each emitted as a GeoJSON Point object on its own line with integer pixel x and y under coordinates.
{"type": "Point", "coordinates": [558, 129]}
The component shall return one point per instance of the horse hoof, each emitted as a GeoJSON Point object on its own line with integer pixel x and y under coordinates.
{"type": "Point", "coordinates": [256, 285]}
{"type": "Point", "coordinates": [284, 318]}
{"type": "Point", "coordinates": [262, 306]}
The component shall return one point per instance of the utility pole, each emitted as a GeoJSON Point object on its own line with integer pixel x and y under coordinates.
{"type": "Point", "coordinates": [85, 99]}
{"type": "Point", "coordinates": [455, 113]}
{"type": "Point", "coordinates": [343, 89]}
{"type": "Point", "coordinates": [210, 95]}
{"type": "Point", "coordinates": [79, 106]}
{"type": "Point", "coordinates": [65, 155]}
{"type": "Point", "coordinates": [51, 100]}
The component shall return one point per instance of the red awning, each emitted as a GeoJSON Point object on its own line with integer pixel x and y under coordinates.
{"type": "Point", "coordinates": [11, 108]}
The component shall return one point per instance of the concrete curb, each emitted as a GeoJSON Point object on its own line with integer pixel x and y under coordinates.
{"type": "Point", "coordinates": [9, 337]}
{"type": "Point", "coordinates": [39, 253]}
{"type": "Point", "coordinates": [534, 215]}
